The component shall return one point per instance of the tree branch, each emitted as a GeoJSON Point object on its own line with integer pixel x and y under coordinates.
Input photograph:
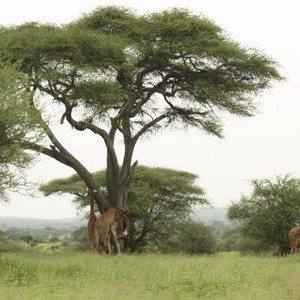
{"type": "Point", "coordinates": [149, 125]}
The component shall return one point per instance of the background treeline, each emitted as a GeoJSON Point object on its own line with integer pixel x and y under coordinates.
{"type": "Point", "coordinates": [167, 207]}
{"type": "Point", "coordinates": [191, 236]}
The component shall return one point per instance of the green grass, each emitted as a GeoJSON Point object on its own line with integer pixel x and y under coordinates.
{"type": "Point", "coordinates": [61, 275]}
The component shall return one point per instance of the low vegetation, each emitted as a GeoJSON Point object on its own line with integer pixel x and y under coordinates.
{"type": "Point", "coordinates": [70, 275]}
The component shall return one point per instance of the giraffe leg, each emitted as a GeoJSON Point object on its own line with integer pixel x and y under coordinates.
{"type": "Point", "coordinates": [95, 246]}
{"type": "Point", "coordinates": [109, 244]}
{"type": "Point", "coordinates": [115, 235]}
{"type": "Point", "coordinates": [103, 248]}
{"type": "Point", "coordinates": [293, 242]}
{"type": "Point", "coordinates": [295, 246]}
{"type": "Point", "coordinates": [105, 237]}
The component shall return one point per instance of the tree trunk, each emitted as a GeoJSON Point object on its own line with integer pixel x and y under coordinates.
{"type": "Point", "coordinates": [113, 182]}
{"type": "Point", "coordinates": [118, 180]}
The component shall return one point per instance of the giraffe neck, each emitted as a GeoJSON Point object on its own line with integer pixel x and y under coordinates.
{"type": "Point", "coordinates": [128, 220]}
{"type": "Point", "coordinates": [92, 208]}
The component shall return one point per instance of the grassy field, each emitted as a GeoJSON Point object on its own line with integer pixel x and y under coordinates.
{"type": "Point", "coordinates": [61, 275]}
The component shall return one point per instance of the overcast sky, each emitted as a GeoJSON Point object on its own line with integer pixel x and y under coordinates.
{"type": "Point", "coordinates": [263, 146]}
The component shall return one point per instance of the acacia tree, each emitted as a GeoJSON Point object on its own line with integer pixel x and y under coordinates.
{"type": "Point", "coordinates": [17, 122]}
{"type": "Point", "coordinates": [122, 75]}
{"type": "Point", "coordinates": [269, 213]}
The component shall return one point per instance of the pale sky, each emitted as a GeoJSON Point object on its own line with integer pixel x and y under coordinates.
{"type": "Point", "coordinates": [263, 146]}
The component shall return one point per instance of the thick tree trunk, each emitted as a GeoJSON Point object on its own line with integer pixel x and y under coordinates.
{"type": "Point", "coordinates": [119, 179]}
{"type": "Point", "coordinates": [113, 182]}
{"type": "Point", "coordinates": [125, 183]}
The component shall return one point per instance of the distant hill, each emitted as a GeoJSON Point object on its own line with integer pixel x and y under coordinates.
{"type": "Point", "coordinates": [204, 215]}
{"type": "Point", "coordinates": [40, 223]}
{"type": "Point", "coordinates": [210, 215]}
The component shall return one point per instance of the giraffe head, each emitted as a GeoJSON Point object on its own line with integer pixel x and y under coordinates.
{"type": "Point", "coordinates": [123, 235]}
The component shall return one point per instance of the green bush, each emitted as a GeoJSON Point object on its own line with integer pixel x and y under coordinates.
{"type": "Point", "coordinates": [191, 238]}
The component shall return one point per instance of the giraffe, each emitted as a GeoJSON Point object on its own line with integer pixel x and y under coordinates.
{"type": "Point", "coordinates": [107, 224]}
{"type": "Point", "coordinates": [91, 222]}
{"type": "Point", "coordinates": [293, 238]}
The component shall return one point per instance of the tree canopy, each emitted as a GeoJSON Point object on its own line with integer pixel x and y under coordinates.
{"type": "Point", "coordinates": [18, 123]}
{"type": "Point", "coordinates": [123, 75]}
{"type": "Point", "coordinates": [270, 212]}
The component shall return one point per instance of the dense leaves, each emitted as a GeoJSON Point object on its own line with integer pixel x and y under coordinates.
{"type": "Point", "coordinates": [159, 199]}
{"type": "Point", "coordinates": [189, 237]}
{"type": "Point", "coordinates": [19, 123]}
{"type": "Point", "coordinates": [187, 60]}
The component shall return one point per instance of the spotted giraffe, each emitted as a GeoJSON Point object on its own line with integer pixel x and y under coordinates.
{"type": "Point", "coordinates": [293, 238]}
{"type": "Point", "coordinates": [107, 224]}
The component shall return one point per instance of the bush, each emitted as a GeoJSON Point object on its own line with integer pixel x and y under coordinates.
{"type": "Point", "coordinates": [230, 240]}
{"type": "Point", "coordinates": [192, 238]}
{"type": "Point", "coordinates": [269, 212]}
{"type": "Point", "coordinates": [10, 246]}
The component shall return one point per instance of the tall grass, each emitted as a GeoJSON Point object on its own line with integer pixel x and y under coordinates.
{"type": "Point", "coordinates": [87, 276]}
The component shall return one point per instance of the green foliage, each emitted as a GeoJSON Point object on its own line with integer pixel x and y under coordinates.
{"type": "Point", "coordinates": [73, 184]}
{"type": "Point", "coordinates": [194, 57]}
{"type": "Point", "coordinates": [111, 55]}
{"type": "Point", "coordinates": [26, 237]}
{"type": "Point", "coordinates": [159, 199]}
{"type": "Point", "coordinates": [191, 238]}
{"type": "Point", "coordinates": [19, 122]}
{"type": "Point", "coordinates": [249, 245]}
{"type": "Point", "coordinates": [7, 245]}
{"type": "Point", "coordinates": [230, 240]}
{"type": "Point", "coordinates": [234, 240]}
{"type": "Point", "coordinates": [82, 240]}
{"type": "Point", "coordinates": [270, 212]}
{"type": "Point", "coordinates": [57, 54]}
{"type": "Point", "coordinates": [38, 45]}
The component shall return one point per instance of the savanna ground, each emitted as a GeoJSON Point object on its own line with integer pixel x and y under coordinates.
{"type": "Point", "coordinates": [70, 275]}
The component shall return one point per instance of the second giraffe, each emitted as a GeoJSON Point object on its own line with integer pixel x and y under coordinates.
{"type": "Point", "coordinates": [107, 224]}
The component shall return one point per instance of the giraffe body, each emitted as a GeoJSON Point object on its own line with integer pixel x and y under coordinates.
{"type": "Point", "coordinates": [107, 224]}
{"type": "Point", "coordinates": [293, 238]}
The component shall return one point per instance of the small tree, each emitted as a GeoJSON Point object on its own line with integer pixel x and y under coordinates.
{"type": "Point", "coordinates": [159, 199]}
{"type": "Point", "coordinates": [27, 238]}
{"type": "Point", "coordinates": [268, 214]}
